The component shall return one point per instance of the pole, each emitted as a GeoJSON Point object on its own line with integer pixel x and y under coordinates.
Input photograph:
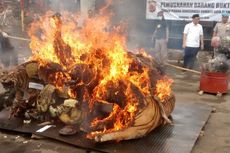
{"type": "Point", "coordinates": [22, 15]}
{"type": "Point", "coordinates": [181, 68]}
{"type": "Point", "coordinates": [18, 38]}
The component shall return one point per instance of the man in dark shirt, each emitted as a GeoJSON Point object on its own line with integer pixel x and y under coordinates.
{"type": "Point", "coordinates": [160, 36]}
{"type": "Point", "coordinates": [7, 53]}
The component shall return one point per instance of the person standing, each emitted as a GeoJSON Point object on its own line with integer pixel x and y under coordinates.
{"type": "Point", "coordinates": [160, 36]}
{"type": "Point", "coordinates": [220, 31]}
{"type": "Point", "coordinates": [8, 54]}
{"type": "Point", "coordinates": [193, 40]}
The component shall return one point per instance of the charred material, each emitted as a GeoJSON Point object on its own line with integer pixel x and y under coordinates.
{"type": "Point", "coordinates": [90, 83]}
{"type": "Point", "coordinates": [62, 50]}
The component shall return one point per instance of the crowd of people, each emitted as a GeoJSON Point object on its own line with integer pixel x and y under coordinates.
{"type": "Point", "coordinates": [193, 39]}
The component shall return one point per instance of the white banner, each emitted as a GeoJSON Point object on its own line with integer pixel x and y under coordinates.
{"type": "Point", "coordinates": [209, 10]}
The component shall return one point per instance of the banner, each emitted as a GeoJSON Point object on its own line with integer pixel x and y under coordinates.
{"type": "Point", "coordinates": [209, 10]}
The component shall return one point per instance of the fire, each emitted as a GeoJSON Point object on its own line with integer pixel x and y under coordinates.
{"type": "Point", "coordinates": [163, 88]}
{"type": "Point", "coordinates": [96, 59]}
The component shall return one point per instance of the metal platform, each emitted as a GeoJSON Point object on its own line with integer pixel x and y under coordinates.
{"type": "Point", "coordinates": [189, 118]}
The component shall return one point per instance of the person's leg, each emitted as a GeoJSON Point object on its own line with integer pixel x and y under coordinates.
{"type": "Point", "coordinates": [157, 53]}
{"type": "Point", "coordinates": [14, 58]}
{"type": "Point", "coordinates": [6, 59]}
{"type": "Point", "coordinates": [194, 52]}
{"type": "Point", "coordinates": [187, 55]}
{"type": "Point", "coordinates": [164, 51]}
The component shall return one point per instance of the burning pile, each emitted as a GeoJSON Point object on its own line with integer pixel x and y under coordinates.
{"type": "Point", "coordinates": [85, 78]}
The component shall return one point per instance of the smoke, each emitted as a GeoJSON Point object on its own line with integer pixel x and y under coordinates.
{"type": "Point", "coordinates": [127, 12]}
{"type": "Point", "coordinates": [60, 5]}
{"type": "Point", "coordinates": [132, 12]}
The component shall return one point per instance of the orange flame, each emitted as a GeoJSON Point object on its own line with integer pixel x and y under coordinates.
{"type": "Point", "coordinates": [163, 88]}
{"type": "Point", "coordinates": [59, 40]}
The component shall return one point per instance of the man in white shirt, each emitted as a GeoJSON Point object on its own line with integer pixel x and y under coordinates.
{"type": "Point", "coordinates": [192, 40]}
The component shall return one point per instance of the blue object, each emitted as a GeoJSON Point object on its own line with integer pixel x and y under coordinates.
{"type": "Point", "coordinates": [190, 56]}
{"type": "Point", "coordinates": [226, 14]}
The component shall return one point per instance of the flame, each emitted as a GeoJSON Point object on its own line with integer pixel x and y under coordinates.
{"type": "Point", "coordinates": [58, 39]}
{"type": "Point", "coordinates": [163, 88]}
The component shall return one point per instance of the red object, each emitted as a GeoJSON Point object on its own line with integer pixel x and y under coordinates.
{"type": "Point", "coordinates": [214, 82]}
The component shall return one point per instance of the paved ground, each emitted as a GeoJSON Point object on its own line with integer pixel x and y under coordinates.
{"type": "Point", "coordinates": [215, 139]}
{"type": "Point", "coordinates": [216, 136]}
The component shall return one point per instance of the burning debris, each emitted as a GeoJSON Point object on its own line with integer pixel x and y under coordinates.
{"type": "Point", "coordinates": [87, 80]}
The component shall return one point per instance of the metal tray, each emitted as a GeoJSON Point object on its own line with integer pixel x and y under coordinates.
{"type": "Point", "coordinates": [188, 118]}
